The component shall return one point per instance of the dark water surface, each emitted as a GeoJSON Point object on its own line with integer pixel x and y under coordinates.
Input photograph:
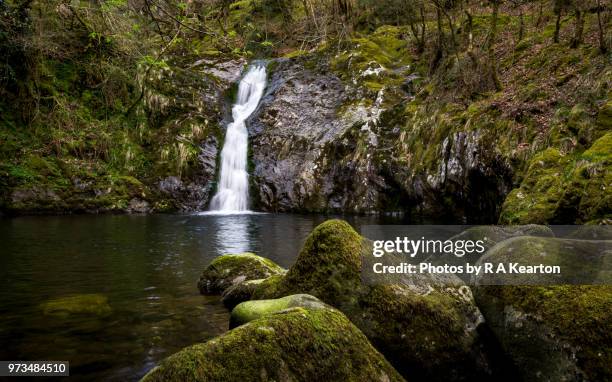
{"type": "Point", "coordinates": [146, 266]}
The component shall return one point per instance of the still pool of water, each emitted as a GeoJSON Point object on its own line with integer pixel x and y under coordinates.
{"type": "Point", "coordinates": [146, 266]}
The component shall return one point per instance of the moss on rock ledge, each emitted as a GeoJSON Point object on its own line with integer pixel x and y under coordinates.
{"type": "Point", "coordinates": [232, 269]}
{"type": "Point", "coordinates": [294, 345]}
{"type": "Point", "coordinates": [564, 188]}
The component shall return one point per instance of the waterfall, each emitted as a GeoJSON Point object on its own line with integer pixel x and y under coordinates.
{"type": "Point", "coordinates": [233, 187]}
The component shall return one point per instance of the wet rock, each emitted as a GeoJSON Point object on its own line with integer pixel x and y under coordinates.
{"type": "Point", "coordinates": [138, 206]}
{"type": "Point", "coordinates": [228, 270]}
{"type": "Point", "coordinates": [193, 193]}
{"type": "Point", "coordinates": [292, 345]}
{"type": "Point", "coordinates": [253, 310]}
{"type": "Point", "coordinates": [320, 143]}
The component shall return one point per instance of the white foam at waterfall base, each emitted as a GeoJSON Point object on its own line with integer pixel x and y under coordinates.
{"type": "Point", "coordinates": [233, 188]}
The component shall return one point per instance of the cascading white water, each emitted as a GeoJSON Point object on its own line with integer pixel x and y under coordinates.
{"type": "Point", "coordinates": [233, 187]}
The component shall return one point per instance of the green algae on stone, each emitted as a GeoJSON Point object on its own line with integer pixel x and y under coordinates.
{"type": "Point", "coordinates": [252, 310]}
{"type": "Point", "coordinates": [293, 345]}
{"type": "Point", "coordinates": [328, 265]}
{"type": "Point", "coordinates": [258, 289]}
{"type": "Point", "coordinates": [87, 304]}
{"type": "Point", "coordinates": [232, 269]}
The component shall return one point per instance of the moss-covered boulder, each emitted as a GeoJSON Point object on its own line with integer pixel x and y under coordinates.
{"type": "Point", "coordinates": [86, 304]}
{"type": "Point", "coordinates": [591, 232]}
{"type": "Point", "coordinates": [553, 333]}
{"type": "Point", "coordinates": [293, 345]}
{"type": "Point", "coordinates": [252, 310]}
{"type": "Point", "coordinates": [580, 262]}
{"type": "Point", "coordinates": [328, 265]}
{"type": "Point", "coordinates": [232, 269]}
{"type": "Point", "coordinates": [426, 329]}
{"type": "Point", "coordinates": [490, 235]}
{"type": "Point", "coordinates": [252, 290]}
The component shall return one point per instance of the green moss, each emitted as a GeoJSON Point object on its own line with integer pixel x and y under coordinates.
{"type": "Point", "coordinates": [563, 188]}
{"type": "Point", "coordinates": [298, 344]}
{"type": "Point", "coordinates": [227, 270]}
{"type": "Point", "coordinates": [329, 264]}
{"type": "Point", "coordinates": [253, 310]}
{"type": "Point", "coordinates": [553, 332]}
{"type": "Point", "coordinates": [424, 335]}
{"type": "Point", "coordinates": [88, 304]}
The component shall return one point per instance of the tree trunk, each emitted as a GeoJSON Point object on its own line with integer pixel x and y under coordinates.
{"type": "Point", "coordinates": [521, 31]}
{"type": "Point", "coordinates": [602, 42]}
{"type": "Point", "coordinates": [491, 46]}
{"type": "Point", "coordinates": [578, 29]}
{"type": "Point", "coordinates": [540, 13]}
{"type": "Point", "coordinates": [557, 27]}
{"type": "Point", "coordinates": [440, 43]}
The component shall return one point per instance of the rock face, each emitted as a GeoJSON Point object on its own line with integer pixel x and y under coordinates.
{"type": "Point", "coordinates": [253, 310]}
{"type": "Point", "coordinates": [293, 345]}
{"type": "Point", "coordinates": [320, 143]}
{"type": "Point", "coordinates": [228, 270]}
{"type": "Point", "coordinates": [193, 194]}
{"type": "Point", "coordinates": [427, 330]}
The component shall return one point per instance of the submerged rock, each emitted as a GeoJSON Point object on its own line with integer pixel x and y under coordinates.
{"type": "Point", "coordinates": [232, 269]}
{"type": "Point", "coordinates": [426, 330]}
{"type": "Point", "coordinates": [88, 304]}
{"type": "Point", "coordinates": [252, 310]}
{"type": "Point", "coordinates": [293, 345]}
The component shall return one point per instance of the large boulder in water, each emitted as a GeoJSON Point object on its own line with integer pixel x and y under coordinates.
{"type": "Point", "coordinates": [556, 332]}
{"type": "Point", "coordinates": [553, 333]}
{"type": "Point", "coordinates": [228, 270]}
{"type": "Point", "coordinates": [293, 345]}
{"type": "Point", "coordinates": [426, 331]}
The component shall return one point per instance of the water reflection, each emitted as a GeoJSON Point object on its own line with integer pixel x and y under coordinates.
{"type": "Point", "coordinates": [233, 234]}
